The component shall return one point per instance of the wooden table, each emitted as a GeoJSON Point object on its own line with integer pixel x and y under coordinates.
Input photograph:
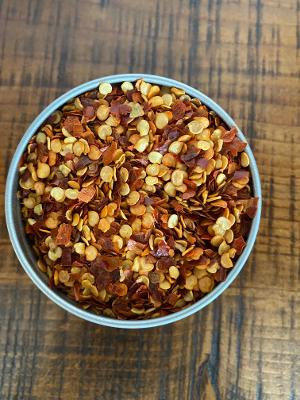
{"type": "Point", "coordinates": [245, 55]}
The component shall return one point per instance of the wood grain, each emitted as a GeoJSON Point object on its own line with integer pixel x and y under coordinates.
{"type": "Point", "coordinates": [245, 55]}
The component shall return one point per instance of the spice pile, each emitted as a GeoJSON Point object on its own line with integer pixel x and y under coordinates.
{"type": "Point", "coordinates": [137, 199]}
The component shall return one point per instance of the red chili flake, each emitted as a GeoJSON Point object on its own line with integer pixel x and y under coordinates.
{"type": "Point", "coordinates": [89, 101]}
{"type": "Point", "coordinates": [157, 201]}
{"type": "Point", "coordinates": [88, 136]}
{"type": "Point", "coordinates": [108, 154]}
{"type": "Point", "coordinates": [66, 258]}
{"type": "Point", "coordinates": [114, 228]}
{"type": "Point", "coordinates": [138, 184]}
{"type": "Point", "coordinates": [73, 125]}
{"type": "Point", "coordinates": [163, 148]}
{"type": "Point", "coordinates": [135, 246]}
{"type": "Point", "coordinates": [239, 244]}
{"type": "Point", "coordinates": [38, 225]}
{"type": "Point", "coordinates": [172, 299]}
{"type": "Point", "coordinates": [42, 152]}
{"type": "Point", "coordinates": [240, 174]}
{"type": "Point", "coordinates": [25, 176]}
{"type": "Point", "coordinates": [252, 207]}
{"type": "Point", "coordinates": [230, 191]}
{"type": "Point", "coordinates": [103, 278]}
{"type": "Point", "coordinates": [202, 112]}
{"type": "Point", "coordinates": [129, 94]}
{"type": "Point", "coordinates": [173, 134]}
{"type": "Point", "coordinates": [121, 308]}
{"type": "Point", "coordinates": [137, 97]}
{"type": "Point", "coordinates": [103, 149]}
{"type": "Point", "coordinates": [76, 291]}
{"type": "Point", "coordinates": [134, 175]}
{"type": "Point", "coordinates": [76, 263]}
{"type": "Point", "coordinates": [202, 162]}
{"type": "Point", "coordinates": [89, 112]}
{"type": "Point", "coordinates": [228, 136]}
{"type": "Point", "coordinates": [162, 249]}
{"type": "Point", "coordinates": [82, 162]}
{"type": "Point", "coordinates": [244, 193]}
{"type": "Point", "coordinates": [156, 293]}
{"type": "Point", "coordinates": [190, 184]}
{"type": "Point", "coordinates": [177, 206]}
{"type": "Point", "coordinates": [220, 275]}
{"type": "Point", "coordinates": [106, 243]}
{"type": "Point", "coordinates": [123, 141]}
{"type": "Point", "coordinates": [93, 169]}
{"type": "Point", "coordinates": [118, 109]}
{"type": "Point", "coordinates": [171, 242]}
{"type": "Point", "coordinates": [141, 293]}
{"type": "Point", "coordinates": [141, 237]}
{"type": "Point", "coordinates": [188, 194]}
{"type": "Point", "coordinates": [205, 236]}
{"type": "Point", "coordinates": [115, 275]}
{"type": "Point", "coordinates": [132, 289]}
{"type": "Point", "coordinates": [118, 288]}
{"type": "Point", "coordinates": [154, 277]}
{"type": "Point", "coordinates": [191, 164]}
{"type": "Point", "coordinates": [148, 201]}
{"type": "Point", "coordinates": [232, 166]}
{"type": "Point", "coordinates": [96, 265]}
{"type": "Point", "coordinates": [164, 263]}
{"type": "Point", "coordinates": [86, 194]}
{"type": "Point", "coordinates": [235, 147]}
{"type": "Point", "coordinates": [192, 152]}
{"type": "Point", "coordinates": [109, 263]}
{"type": "Point", "coordinates": [189, 114]}
{"type": "Point", "coordinates": [178, 109]}
{"type": "Point", "coordinates": [140, 160]}
{"type": "Point", "coordinates": [69, 156]}
{"type": "Point", "coordinates": [64, 234]}
{"type": "Point", "coordinates": [60, 180]}
{"type": "Point", "coordinates": [203, 260]}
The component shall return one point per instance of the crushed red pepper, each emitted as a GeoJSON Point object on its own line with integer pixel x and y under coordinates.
{"type": "Point", "coordinates": [137, 199]}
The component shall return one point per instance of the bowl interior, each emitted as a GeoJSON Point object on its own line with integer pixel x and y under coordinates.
{"type": "Point", "coordinates": [22, 246]}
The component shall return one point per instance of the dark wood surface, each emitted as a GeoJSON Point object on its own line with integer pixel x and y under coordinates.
{"type": "Point", "coordinates": [245, 55]}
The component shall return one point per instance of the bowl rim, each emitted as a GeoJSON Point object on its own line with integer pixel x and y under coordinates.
{"type": "Point", "coordinates": [32, 271]}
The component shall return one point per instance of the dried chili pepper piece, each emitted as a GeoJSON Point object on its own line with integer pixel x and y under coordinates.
{"type": "Point", "coordinates": [119, 109]}
{"type": "Point", "coordinates": [228, 136]}
{"type": "Point", "coordinates": [235, 146]}
{"type": "Point", "coordinates": [178, 109]}
{"type": "Point", "coordinates": [251, 208]}
{"type": "Point", "coordinates": [241, 174]}
{"type": "Point", "coordinates": [89, 112]}
{"type": "Point", "coordinates": [73, 125]}
{"type": "Point", "coordinates": [86, 194]}
{"type": "Point", "coordinates": [239, 244]}
{"type": "Point", "coordinates": [162, 249]}
{"type": "Point", "coordinates": [82, 162]}
{"type": "Point", "coordinates": [119, 289]}
{"type": "Point", "coordinates": [108, 154]}
{"type": "Point", "coordinates": [64, 234]}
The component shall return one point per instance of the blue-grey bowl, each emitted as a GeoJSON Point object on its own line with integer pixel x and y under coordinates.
{"type": "Point", "coordinates": [25, 253]}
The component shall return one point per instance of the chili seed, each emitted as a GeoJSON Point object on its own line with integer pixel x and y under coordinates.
{"type": "Point", "coordinates": [105, 88]}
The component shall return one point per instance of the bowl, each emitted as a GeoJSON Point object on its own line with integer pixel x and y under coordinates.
{"type": "Point", "coordinates": [26, 255]}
